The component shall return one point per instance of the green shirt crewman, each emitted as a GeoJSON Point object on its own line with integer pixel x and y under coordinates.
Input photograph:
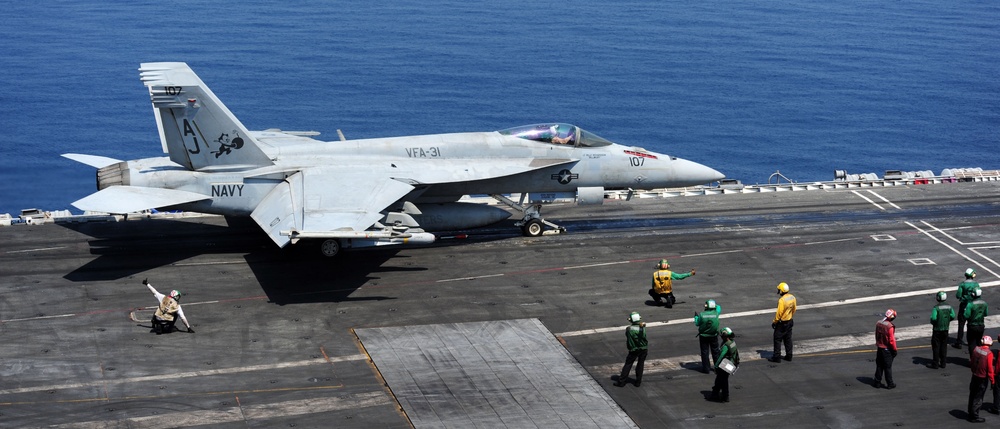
{"type": "Point", "coordinates": [941, 317]}
{"type": "Point", "coordinates": [720, 391]}
{"type": "Point", "coordinates": [975, 313]}
{"type": "Point", "coordinates": [964, 295]}
{"type": "Point", "coordinates": [708, 333]}
{"type": "Point", "coordinates": [635, 340]}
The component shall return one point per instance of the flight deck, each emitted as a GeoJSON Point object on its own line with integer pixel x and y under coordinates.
{"type": "Point", "coordinates": [498, 329]}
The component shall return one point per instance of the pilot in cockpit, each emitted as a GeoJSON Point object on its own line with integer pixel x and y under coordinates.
{"type": "Point", "coordinates": [556, 138]}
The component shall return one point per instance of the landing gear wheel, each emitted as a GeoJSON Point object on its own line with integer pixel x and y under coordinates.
{"type": "Point", "coordinates": [533, 228]}
{"type": "Point", "coordinates": [330, 248]}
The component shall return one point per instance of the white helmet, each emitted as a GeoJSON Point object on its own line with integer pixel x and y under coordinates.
{"type": "Point", "coordinates": [987, 340]}
{"type": "Point", "coordinates": [710, 304]}
{"type": "Point", "coordinates": [634, 317]}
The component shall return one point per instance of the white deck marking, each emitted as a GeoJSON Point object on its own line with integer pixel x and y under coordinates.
{"type": "Point", "coordinates": [928, 234]}
{"type": "Point", "coordinates": [175, 376]}
{"type": "Point", "coordinates": [869, 200]}
{"type": "Point", "coordinates": [36, 250]}
{"type": "Point", "coordinates": [254, 413]}
{"type": "Point", "coordinates": [883, 199]}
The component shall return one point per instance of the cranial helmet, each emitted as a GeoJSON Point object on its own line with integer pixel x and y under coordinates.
{"type": "Point", "coordinates": [970, 273]}
{"type": "Point", "coordinates": [663, 264]}
{"type": "Point", "coordinates": [941, 296]}
{"type": "Point", "coordinates": [987, 341]}
{"type": "Point", "coordinates": [890, 314]}
{"type": "Point", "coordinates": [175, 294]}
{"type": "Point", "coordinates": [634, 317]}
{"type": "Point", "coordinates": [977, 292]}
{"type": "Point", "coordinates": [782, 287]}
{"type": "Point", "coordinates": [726, 332]}
{"type": "Point", "coordinates": [710, 304]}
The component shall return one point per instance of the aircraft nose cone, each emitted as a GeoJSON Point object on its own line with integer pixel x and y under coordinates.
{"type": "Point", "coordinates": [699, 174]}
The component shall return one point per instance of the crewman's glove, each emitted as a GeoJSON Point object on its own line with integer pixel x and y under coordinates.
{"type": "Point", "coordinates": [145, 281]}
{"type": "Point", "coordinates": [190, 331]}
{"type": "Point", "coordinates": [893, 353]}
{"type": "Point", "coordinates": [774, 325]}
{"type": "Point", "coordinates": [692, 272]}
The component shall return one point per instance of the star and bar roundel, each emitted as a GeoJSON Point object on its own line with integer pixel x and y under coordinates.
{"type": "Point", "coordinates": [565, 176]}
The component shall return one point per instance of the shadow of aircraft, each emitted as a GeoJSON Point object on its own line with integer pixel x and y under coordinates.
{"type": "Point", "coordinates": [295, 274]}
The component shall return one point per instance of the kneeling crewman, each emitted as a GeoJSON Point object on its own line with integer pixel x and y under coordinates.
{"type": "Point", "coordinates": [167, 311]}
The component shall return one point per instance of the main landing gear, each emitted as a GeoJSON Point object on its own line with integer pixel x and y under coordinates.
{"type": "Point", "coordinates": [532, 224]}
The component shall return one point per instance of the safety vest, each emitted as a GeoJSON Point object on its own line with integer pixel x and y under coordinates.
{"type": "Point", "coordinates": [635, 338]}
{"type": "Point", "coordinates": [708, 323]}
{"type": "Point", "coordinates": [167, 309]}
{"type": "Point", "coordinates": [663, 281]}
{"type": "Point", "coordinates": [981, 361]}
{"type": "Point", "coordinates": [941, 317]}
{"type": "Point", "coordinates": [977, 310]}
{"type": "Point", "coordinates": [885, 335]}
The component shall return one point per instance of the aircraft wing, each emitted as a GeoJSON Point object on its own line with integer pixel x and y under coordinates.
{"type": "Point", "coordinates": [128, 199]}
{"type": "Point", "coordinates": [451, 171]}
{"type": "Point", "coordinates": [327, 199]}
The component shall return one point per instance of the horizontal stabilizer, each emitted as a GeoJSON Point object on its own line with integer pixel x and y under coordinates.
{"type": "Point", "coordinates": [129, 199]}
{"type": "Point", "coordinates": [91, 160]}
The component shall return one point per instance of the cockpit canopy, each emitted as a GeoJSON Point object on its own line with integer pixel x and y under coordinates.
{"type": "Point", "coordinates": [560, 134]}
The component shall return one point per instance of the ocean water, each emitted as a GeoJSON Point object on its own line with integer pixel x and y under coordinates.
{"type": "Point", "coordinates": [749, 88]}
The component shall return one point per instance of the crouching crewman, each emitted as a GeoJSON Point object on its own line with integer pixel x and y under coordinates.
{"type": "Point", "coordinates": [167, 312]}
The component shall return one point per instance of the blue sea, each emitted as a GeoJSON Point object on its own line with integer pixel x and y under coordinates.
{"type": "Point", "coordinates": [749, 88]}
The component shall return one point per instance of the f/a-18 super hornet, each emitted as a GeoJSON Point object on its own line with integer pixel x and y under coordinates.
{"type": "Point", "coordinates": [367, 192]}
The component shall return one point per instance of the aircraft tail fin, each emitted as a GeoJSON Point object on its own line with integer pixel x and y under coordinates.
{"type": "Point", "coordinates": [196, 129]}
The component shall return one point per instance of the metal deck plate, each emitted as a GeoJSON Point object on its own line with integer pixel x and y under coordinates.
{"type": "Point", "coordinates": [511, 373]}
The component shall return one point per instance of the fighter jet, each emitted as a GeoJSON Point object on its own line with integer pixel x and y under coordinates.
{"type": "Point", "coordinates": [365, 192]}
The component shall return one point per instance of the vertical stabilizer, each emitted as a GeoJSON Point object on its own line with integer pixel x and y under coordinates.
{"type": "Point", "coordinates": [196, 129]}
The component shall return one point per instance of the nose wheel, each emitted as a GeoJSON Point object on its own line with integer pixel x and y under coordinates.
{"type": "Point", "coordinates": [532, 224]}
{"type": "Point", "coordinates": [533, 228]}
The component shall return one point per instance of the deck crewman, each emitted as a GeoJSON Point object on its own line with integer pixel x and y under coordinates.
{"type": "Point", "coordinates": [782, 323]}
{"type": "Point", "coordinates": [662, 289]}
{"type": "Point", "coordinates": [975, 314]}
{"type": "Point", "coordinates": [708, 333]}
{"type": "Point", "coordinates": [941, 317]}
{"type": "Point", "coordinates": [964, 295]}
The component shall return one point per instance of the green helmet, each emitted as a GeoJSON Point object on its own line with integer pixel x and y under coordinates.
{"type": "Point", "coordinates": [941, 296]}
{"type": "Point", "coordinates": [970, 273]}
{"type": "Point", "coordinates": [663, 264]}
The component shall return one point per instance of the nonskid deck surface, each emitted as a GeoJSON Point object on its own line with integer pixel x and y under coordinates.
{"type": "Point", "coordinates": [276, 341]}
